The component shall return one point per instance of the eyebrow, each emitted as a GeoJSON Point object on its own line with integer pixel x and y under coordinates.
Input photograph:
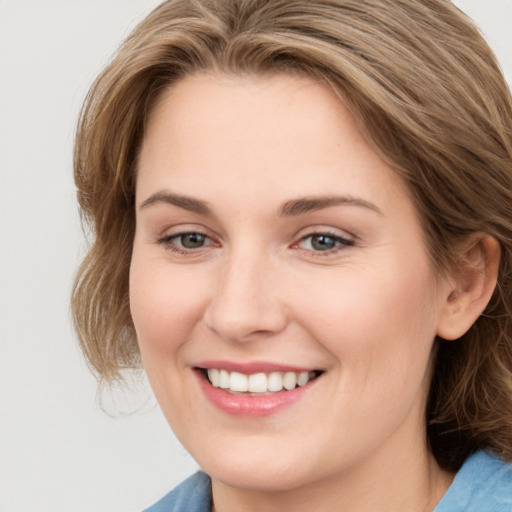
{"type": "Point", "coordinates": [292, 208]}
{"type": "Point", "coordinates": [185, 202]}
{"type": "Point", "coordinates": [308, 204]}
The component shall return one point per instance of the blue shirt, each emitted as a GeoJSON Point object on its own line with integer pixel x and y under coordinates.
{"type": "Point", "coordinates": [483, 484]}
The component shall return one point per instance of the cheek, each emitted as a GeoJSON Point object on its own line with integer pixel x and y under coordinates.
{"type": "Point", "coordinates": [164, 305]}
{"type": "Point", "coordinates": [381, 340]}
{"type": "Point", "coordinates": [165, 308]}
{"type": "Point", "coordinates": [374, 322]}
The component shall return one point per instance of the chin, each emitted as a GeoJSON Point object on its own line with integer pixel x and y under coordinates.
{"type": "Point", "coordinates": [257, 469]}
{"type": "Point", "coordinates": [259, 479]}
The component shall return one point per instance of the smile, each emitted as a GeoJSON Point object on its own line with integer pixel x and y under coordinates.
{"type": "Point", "coordinates": [257, 383]}
{"type": "Point", "coordinates": [254, 390]}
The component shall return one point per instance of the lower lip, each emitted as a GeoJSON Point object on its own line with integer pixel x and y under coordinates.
{"type": "Point", "coordinates": [251, 406]}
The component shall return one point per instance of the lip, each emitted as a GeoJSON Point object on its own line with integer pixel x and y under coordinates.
{"type": "Point", "coordinates": [249, 368]}
{"type": "Point", "coordinates": [248, 406]}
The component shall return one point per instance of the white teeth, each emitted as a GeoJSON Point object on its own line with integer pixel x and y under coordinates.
{"type": "Point", "coordinates": [238, 382]}
{"type": "Point", "coordinates": [275, 381]}
{"type": "Point", "coordinates": [303, 378]}
{"type": "Point", "coordinates": [258, 382]}
{"type": "Point", "coordinates": [213, 375]}
{"type": "Point", "coordinates": [224, 379]}
{"type": "Point", "coordinates": [290, 380]}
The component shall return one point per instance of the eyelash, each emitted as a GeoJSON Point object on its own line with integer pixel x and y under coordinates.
{"type": "Point", "coordinates": [169, 243]}
{"type": "Point", "coordinates": [340, 242]}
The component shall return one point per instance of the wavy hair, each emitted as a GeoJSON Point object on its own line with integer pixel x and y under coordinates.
{"type": "Point", "coordinates": [429, 95]}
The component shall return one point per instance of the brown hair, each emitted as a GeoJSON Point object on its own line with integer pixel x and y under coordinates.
{"type": "Point", "coordinates": [428, 94]}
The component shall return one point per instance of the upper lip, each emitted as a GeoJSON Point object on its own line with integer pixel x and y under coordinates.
{"type": "Point", "coordinates": [252, 367]}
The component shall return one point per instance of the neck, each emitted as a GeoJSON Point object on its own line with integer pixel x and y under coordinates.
{"type": "Point", "coordinates": [409, 481]}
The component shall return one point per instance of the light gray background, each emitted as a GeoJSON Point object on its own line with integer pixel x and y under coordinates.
{"type": "Point", "coordinates": [58, 451]}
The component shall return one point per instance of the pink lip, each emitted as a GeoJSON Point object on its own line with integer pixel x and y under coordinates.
{"type": "Point", "coordinates": [246, 405]}
{"type": "Point", "coordinates": [252, 367]}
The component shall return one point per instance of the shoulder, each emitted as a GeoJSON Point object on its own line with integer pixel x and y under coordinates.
{"type": "Point", "coordinates": [192, 495]}
{"type": "Point", "coordinates": [483, 484]}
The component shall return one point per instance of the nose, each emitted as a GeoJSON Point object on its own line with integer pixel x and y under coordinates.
{"type": "Point", "coordinates": [246, 303]}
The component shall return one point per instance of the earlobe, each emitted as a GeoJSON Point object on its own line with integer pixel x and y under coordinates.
{"type": "Point", "coordinates": [471, 287]}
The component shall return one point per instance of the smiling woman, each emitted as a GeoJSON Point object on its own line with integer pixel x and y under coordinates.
{"type": "Point", "coordinates": [302, 211]}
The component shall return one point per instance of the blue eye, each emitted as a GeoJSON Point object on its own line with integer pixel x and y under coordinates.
{"type": "Point", "coordinates": [324, 242]}
{"type": "Point", "coordinates": [191, 240]}
{"type": "Point", "coordinates": [183, 242]}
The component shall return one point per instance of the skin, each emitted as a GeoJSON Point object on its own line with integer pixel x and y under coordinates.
{"type": "Point", "coordinates": [365, 312]}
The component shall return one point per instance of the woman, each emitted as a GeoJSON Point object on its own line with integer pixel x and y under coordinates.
{"type": "Point", "coordinates": [303, 231]}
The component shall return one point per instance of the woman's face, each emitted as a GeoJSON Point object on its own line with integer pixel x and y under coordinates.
{"type": "Point", "coordinates": [273, 245]}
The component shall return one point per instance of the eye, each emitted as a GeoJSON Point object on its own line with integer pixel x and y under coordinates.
{"type": "Point", "coordinates": [186, 242]}
{"type": "Point", "coordinates": [190, 240]}
{"type": "Point", "coordinates": [324, 242]}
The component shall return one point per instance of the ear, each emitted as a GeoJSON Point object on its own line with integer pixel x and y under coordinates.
{"type": "Point", "coordinates": [471, 287]}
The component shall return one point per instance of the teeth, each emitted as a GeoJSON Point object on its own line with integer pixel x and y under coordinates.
{"type": "Point", "coordinates": [238, 382]}
{"type": "Point", "coordinates": [213, 375]}
{"type": "Point", "coordinates": [290, 380]}
{"type": "Point", "coordinates": [303, 378]}
{"type": "Point", "coordinates": [223, 379]}
{"type": "Point", "coordinates": [275, 381]}
{"type": "Point", "coordinates": [258, 382]}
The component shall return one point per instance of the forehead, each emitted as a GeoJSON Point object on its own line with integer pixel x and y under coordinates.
{"type": "Point", "coordinates": [250, 110]}
{"type": "Point", "coordinates": [210, 133]}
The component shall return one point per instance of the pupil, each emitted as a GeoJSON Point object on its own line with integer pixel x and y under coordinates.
{"type": "Point", "coordinates": [322, 242]}
{"type": "Point", "coordinates": [192, 240]}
